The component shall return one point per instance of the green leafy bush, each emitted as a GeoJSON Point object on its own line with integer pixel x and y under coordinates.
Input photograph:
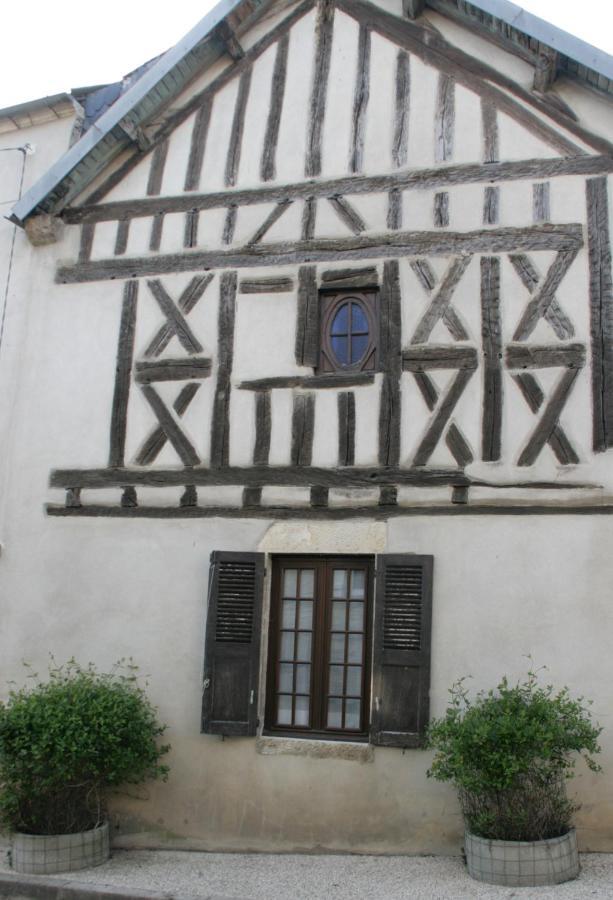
{"type": "Point", "coordinates": [509, 753]}
{"type": "Point", "coordinates": [65, 742]}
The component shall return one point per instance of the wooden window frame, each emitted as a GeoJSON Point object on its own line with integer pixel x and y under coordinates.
{"type": "Point", "coordinates": [320, 660]}
{"type": "Point", "coordinates": [329, 303]}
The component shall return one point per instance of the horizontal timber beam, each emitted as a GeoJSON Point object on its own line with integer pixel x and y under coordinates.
{"type": "Point", "coordinates": [289, 476]}
{"type": "Point", "coordinates": [392, 245]}
{"type": "Point", "coordinates": [412, 179]}
{"type": "Point", "coordinates": [340, 381]}
{"type": "Point", "coordinates": [330, 512]}
{"type": "Point", "coordinates": [286, 476]}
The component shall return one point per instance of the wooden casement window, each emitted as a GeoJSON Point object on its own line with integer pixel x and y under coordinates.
{"type": "Point", "coordinates": [349, 647]}
{"type": "Point", "coordinates": [349, 337]}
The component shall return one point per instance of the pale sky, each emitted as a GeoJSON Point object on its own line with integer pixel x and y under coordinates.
{"type": "Point", "coordinates": [50, 46]}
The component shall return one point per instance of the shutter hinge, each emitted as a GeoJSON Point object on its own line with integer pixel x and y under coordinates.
{"type": "Point", "coordinates": [251, 698]}
{"type": "Point", "coordinates": [377, 704]}
{"type": "Point", "coordinates": [206, 684]}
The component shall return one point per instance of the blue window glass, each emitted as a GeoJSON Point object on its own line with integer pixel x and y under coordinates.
{"type": "Point", "coordinates": [350, 333]}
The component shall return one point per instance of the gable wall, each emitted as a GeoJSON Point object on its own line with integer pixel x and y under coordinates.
{"type": "Point", "coordinates": [505, 585]}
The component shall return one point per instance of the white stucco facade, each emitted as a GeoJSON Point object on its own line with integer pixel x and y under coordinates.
{"type": "Point", "coordinates": [525, 573]}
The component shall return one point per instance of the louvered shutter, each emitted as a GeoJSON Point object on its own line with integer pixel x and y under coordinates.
{"type": "Point", "coordinates": [232, 646]}
{"type": "Point", "coordinates": [401, 651]}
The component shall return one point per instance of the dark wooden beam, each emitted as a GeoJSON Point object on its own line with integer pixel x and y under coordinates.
{"type": "Point", "coordinates": [319, 91]}
{"type": "Point", "coordinates": [328, 513]}
{"type": "Point", "coordinates": [307, 322]}
{"type": "Point", "coordinates": [238, 125]}
{"type": "Point", "coordinates": [389, 246]}
{"type": "Point", "coordinates": [414, 179]}
{"type": "Point", "coordinates": [183, 369]}
{"type": "Point", "coordinates": [360, 100]}
{"type": "Point", "coordinates": [284, 476]}
{"type": "Point", "coordinates": [333, 381]}
{"type": "Point", "coordinates": [198, 145]}
{"type": "Point", "coordinates": [601, 311]}
{"type": "Point", "coordinates": [292, 476]}
{"type": "Point", "coordinates": [391, 365]}
{"type": "Point", "coordinates": [400, 142]}
{"type": "Point", "coordinates": [220, 426]}
{"type": "Point", "coordinates": [268, 166]}
{"type": "Point", "coordinates": [123, 374]}
{"type": "Point", "coordinates": [491, 332]}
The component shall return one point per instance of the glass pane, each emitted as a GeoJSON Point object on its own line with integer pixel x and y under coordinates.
{"type": "Point", "coordinates": [359, 346]}
{"type": "Point", "coordinates": [303, 679]}
{"type": "Point", "coordinates": [335, 714]}
{"type": "Point", "coordinates": [337, 648]}
{"type": "Point", "coordinates": [352, 714]}
{"type": "Point", "coordinates": [289, 614]}
{"type": "Point", "coordinates": [359, 322]}
{"type": "Point", "coordinates": [356, 617]}
{"type": "Point", "coordinates": [284, 714]}
{"type": "Point", "coordinates": [355, 648]}
{"type": "Point", "coordinates": [339, 616]}
{"type": "Point", "coordinates": [286, 677]}
{"type": "Point", "coordinates": [336, 680]}
{"type": "Point", "coordinates": [340, 348]}
{"type": "Point", "coordinates": [305, 616]}
{"type": "Point", "coordinates": [290, 578]}
{"type": "Point", "coordinates": [354, 681]}
{"type": "Point", "coordinates": [340, 324]}
{"type": "Point", "coordinates": [301, 716]}
{"type": "Point", "coordinates": [307, 580]}
{"type": "Point", "coordinates": [358, 584]}
{"type": "Point", "coordinates": [304, 648]}
{"type": "Point", "coordinates": [287, 645]}
{"type": "Point", "coordinates": [339, 583]}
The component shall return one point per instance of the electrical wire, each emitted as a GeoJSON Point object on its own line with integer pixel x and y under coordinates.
{"type": "Point", "coordinates": [23, 151]}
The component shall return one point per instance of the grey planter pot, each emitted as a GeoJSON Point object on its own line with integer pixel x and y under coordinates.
{"type": "Point", "coordinates": [41, 854]}
{"type": "Point", "coordinates": [522, 863]}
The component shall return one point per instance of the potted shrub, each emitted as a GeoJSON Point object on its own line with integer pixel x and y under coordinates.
{"type": "Point", "coordinates": [64, 744]}
{"type": "Point", "coordinates": [509, 752]}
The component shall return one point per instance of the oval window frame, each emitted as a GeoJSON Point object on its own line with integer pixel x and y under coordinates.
{"type": "Point", "coordinates": [366, 300]}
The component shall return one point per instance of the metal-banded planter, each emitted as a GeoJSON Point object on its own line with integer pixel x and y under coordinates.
{"type": "Point", "coordinates": [522, 863]}
{"type": "Point", "coordinates": [43, 854]}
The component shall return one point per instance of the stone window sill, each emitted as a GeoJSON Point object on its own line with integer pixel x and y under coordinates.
{"type": "Point", "coordinates": [315, 749]}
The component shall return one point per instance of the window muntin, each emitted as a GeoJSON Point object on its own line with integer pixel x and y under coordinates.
{"type": "Point", "coordinates": [349, 331]}
{"type": "Point", "coordinates": [319, 669]}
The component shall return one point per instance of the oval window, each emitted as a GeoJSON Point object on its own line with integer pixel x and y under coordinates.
{"type": "Point", "coordinates": [349, 333]}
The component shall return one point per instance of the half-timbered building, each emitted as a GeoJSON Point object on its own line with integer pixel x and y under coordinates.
{"type": "Point", "coordinates": [308, 375]}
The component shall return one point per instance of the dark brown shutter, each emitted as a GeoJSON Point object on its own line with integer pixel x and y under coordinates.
{"type": "Point", "coordinates": [401, 652]}
{"type": "Point", "coordinates": [232, 646]}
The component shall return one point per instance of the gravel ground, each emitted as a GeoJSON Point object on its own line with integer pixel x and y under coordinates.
{"type": "Point", "coordinates": [298, 877]}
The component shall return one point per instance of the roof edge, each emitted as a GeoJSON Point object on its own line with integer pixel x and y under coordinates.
{"type": "Point", "coordinates": [121, 108]}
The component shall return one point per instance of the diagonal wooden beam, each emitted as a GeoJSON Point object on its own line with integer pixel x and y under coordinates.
{"type": "Point", "coordinates": [549, 419]}
{"type": "Point", "coordinates": [187, 301]}
{"type": "Point", "coordinates": [440, 305]}
{"type": "Point", "coordinates": [557, 440]}
{"type": "Point", "coordinates": [348, 214]}
{"type": "Point", "coordinates": [270, 220]}
{"type": "Point", "coordinates": [174, 317]}
{"type": "Point", "coordinates": [177, 438]}
{"type": "Point", "coordinates": [542, 298]}
{"type": "Point", "coordinates": [152, 446]}
{"type": "Point", "coordinates": [554, 314]}
{"type": "Point", "coordinates": [441, 417]}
